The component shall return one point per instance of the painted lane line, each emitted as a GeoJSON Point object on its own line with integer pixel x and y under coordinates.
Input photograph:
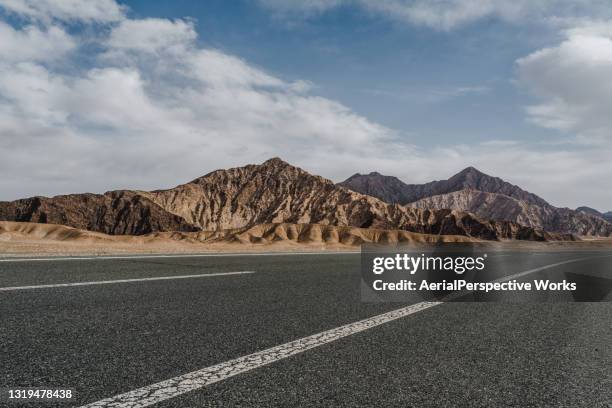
{"type": "Point", "coordinates": [108, 282]}
{"type": "Point", "coordinates": [173, 387]}
{"type": "Point", "coordinates": [152, 394]}
{"type": "Point", "coordinates": [542, 268]}
{"type": "Point", "coordinates": [112, 257]}
{"type": "Point", "coordinates": [458, 295]}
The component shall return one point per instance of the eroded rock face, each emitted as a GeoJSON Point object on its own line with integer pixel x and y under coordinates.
{"type": "Point", "coordinates": [276, 192]}
{"type": "Point", "coordinates": [591, 211]}
{"type": "Point", "coordinates": [502, 207]}
{"type": "Point", "coordinates": [393, 190]}
{"type": "Point", "coordinates": [273, 192]}
{"type": "Point", "coordinates": [117, 212]}
{"type": "Point", "coordinates": [487, 197]}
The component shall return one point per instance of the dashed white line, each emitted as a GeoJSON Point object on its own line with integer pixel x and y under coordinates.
{"type": "Point", "coordinates": [108, 282]}
{"type": "Point", "coordinates": [173, 387]}
{"type": "Point", "coordinates": [543, 268]}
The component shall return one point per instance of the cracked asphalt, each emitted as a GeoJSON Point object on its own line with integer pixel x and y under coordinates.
{"type": "Point", "coordinates": [109, 339]}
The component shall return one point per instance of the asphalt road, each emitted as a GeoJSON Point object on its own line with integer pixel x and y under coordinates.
{"type": "Point", "coordinates": [107, 339]}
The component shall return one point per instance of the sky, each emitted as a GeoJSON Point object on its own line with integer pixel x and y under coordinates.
{"type": "Point", "coordinates": [99, 95]}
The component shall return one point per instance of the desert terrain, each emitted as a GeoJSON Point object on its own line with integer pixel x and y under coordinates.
{"type": "Point", "coordinates": [23, 238]}
{"type": "Point", "coordinates": [275, 206]}
{"type": "Point", "coordinates": [33, 239]}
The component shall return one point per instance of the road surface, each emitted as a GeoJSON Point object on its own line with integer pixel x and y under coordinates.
{"type": "Point", "coordinates": [107, 327]}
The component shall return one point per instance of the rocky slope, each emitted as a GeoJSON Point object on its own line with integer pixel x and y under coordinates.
{"type": "Point", "coordinates": [485, 196]}
{"type": "Point", "coordinates": [273, 192]}
{"type": "Point", "coordinates": [34, 238]}
{"type": "Point", "coordinates": [591, 211]}
{"type": "Point", "coordinates": [393, 190]}
{"type": "Point", "coordinates": [117, 212]}
{"type": "Point", "coordinates": [502, 207]}
{"type": "Point", "coordinates": [276, 192]}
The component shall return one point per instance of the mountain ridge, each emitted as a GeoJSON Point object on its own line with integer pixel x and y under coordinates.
{"type": "Point", "coordinates": [271, 192]}
{"type": "Point", "coordinates": [591, 211]}
{"type": "Point", "coordinates": [485, 196]}
{"type": "Point", "coordinates": [468, 178]}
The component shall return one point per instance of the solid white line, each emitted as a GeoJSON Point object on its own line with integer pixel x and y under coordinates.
{"type": "Point", "coordinates": [95, 258]}
{"type": "Point", "coordinates": [173, 387]}
{"type": "Point", "coordinates": [107, 282]}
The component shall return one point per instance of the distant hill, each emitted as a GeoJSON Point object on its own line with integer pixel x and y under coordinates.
{"type": "Point", "coordinates": [393, 190]}
{"type": "Point", "coordinates": [591, 211]}
{"type": "Point", "coordinates": [269, 193]}
{"type": "Point", "coordinates": [485, 196]}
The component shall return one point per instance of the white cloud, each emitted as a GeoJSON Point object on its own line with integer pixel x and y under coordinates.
{"type": "Point", "coordinates": [157, 110]}
{"type": "Point", "coordinates": [66, 10]}
{"type": "Point", "coordinates": [574, 81]}
{"type": "Point", "coordinates": [152, 35]}
{"type": "Point", "coordinates": [448, 14]}
{"type": "Point", "coordinates": [32, 94]}
{"type": "Point", "coordinates": [33, 43]}
{"type": "Point", "coordinates": [306, 7]}
{"type": "Point", "coordinates": [218, 69]}
{"type": "Point", "coordinates": [146, 121]}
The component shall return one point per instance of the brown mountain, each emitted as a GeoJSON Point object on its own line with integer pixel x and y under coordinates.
{"type": "Point", "coordinates": [487, 197]}
{"type": "Point", "coordinates": [116, 212]}
{"type": "Point", "coordinates": [273, 192]}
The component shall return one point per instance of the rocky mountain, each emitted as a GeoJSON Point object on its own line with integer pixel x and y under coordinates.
{"type": "Point", "coordinates": [392, 190]}
{"type": "Point", "coordinates": [591, 211]}
{"type": "Point", "coordinates": [272, 192]}
{"type": "Point", "coordinates": [116, 212]}
{"type": "Point", "coordinates": [502, 207]}
{"type": "Point", "coordinates": [388, 188]}
{"type": "Point", "coordinates": [483, 195]}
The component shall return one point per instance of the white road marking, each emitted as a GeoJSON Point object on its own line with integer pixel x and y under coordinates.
{"type": "Point", "coordinates": [108, 282]}
{"type": "Point", "coordinates": [457, 295]}
{"type": "Point", "coordinates": [173, 387]}
{"type": "Point", "coordinates": [95, 258]}
{"type": "Point", "coordinates": [542, 268]}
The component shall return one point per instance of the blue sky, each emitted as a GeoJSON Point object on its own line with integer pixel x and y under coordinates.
{"type": "Point", "coordinates": [101, 95]}
{"type": "Point", "coordinates": [404, 76]}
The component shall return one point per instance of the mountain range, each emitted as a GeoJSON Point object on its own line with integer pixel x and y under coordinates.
{"type": "Point", "coordinates": [485, 196]}
{"type": "Point", "coordinates": [269, 193]}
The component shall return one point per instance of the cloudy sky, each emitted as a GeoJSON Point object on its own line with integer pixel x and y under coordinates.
{"type": "Point", "coordinates": [98, 95]}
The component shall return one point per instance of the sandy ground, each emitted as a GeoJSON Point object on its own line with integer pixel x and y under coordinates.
{"type": "Point", "coordinates": [31, 239]}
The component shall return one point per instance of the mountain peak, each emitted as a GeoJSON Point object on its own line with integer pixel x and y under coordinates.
{"type": "Point", "coordinates": [359, 176]}
{"type": "Point", "coordinates": [471, 171]}
{"type": "Point", "coordinates": [393, 190]}
{"type": "Point", "coordinates": [593, 212]}
{"type": "Point", "coordinates": [275, 161]}
{"type": "Point", "coordinates": [589, 210]}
